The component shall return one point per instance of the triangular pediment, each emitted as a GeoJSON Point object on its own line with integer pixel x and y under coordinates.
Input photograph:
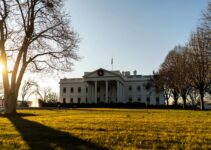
{"type": "Point", "coordinates": [102, 73]}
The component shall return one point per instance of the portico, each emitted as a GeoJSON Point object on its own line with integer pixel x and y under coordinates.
{"type": "Point", "coordinates": [104, 86]}
{"type": "Point", "coordinates": [105, 91]}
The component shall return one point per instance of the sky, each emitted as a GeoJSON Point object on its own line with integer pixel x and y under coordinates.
{"type": "Point", "coordinates": [138, 34]}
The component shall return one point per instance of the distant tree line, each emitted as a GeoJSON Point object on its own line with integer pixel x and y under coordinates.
{"type": "Point", "coordinates": [186, 70]}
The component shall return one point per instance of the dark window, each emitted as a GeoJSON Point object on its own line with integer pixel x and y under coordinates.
{"type": "Point", "coordinates": [157, 101]}
{"type": "Point", "coordinates": [138, 88]}
{"type": "Point", "coordinates": [148, 100]}
{"type": "Point", "coordinates": [98, 100]}
{"type": "Point", "coordinates": [71, 90]}
{"type": "Point", "coordinates": [86, 89]}
{"type": "Point", "coordinates": [130, 99]}
{"type": "Point", "coordinates": [64, 100]}
{"type": "Point", "coordinates": [139, 99]}
{"type": "Point", "coordinates": [130, 88]}
{"type": "Point", "coordinates": [98, 89]}
{"type": "Point", "coordinates": [64, 90]}
{"type": "Point", "coordinates": [79, 89]}
{"type": "Point", "coordinates": [79, 100]}
{"type": "Point", "coordinates": [71, 100]}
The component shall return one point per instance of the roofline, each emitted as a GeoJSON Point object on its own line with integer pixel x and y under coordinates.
{"type": "Point", "coordinates": [104, 70]}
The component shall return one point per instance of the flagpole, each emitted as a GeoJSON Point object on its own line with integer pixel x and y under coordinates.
{"type": "Point", "coordinates": [112, 62]}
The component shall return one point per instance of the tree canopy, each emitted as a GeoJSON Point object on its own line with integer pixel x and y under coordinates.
{"type": "Point", "coordinates": [35, 35]}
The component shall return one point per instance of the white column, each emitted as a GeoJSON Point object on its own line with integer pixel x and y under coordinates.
{"type": "Point", "coordinates": [117, 89]}
{"type": "Point", "coordinates": [120, 92]}
{"type": "Point", "coordinates": [95, 95]}
{"type": "Point", "coordinates": [89, 93]}
{"type": "Point", "coordinates": [106, 91]}
{"type": "Point", "coordinates": [123, 98]}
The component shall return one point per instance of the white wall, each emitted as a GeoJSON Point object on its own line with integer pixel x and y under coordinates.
{"type": "Point", "coordinates": [134, 93]}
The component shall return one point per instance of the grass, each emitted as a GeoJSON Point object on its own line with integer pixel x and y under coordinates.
{"type": "Point", "coordinates": [106, 129]}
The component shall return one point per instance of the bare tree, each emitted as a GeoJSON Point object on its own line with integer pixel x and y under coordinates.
{"type": "Point", "coordinates": [199, 63]}
{"type": "Point", "coordinates": [174, 74]}
{"type": "Point", "coordinates": [161, 82]}
{"type": "Point", "coordinates": [169, 76]}
{"type": "Point", "coordinates": [47, 95]}
{"type": "Point", "coordinates": [161, 85]}
{"type": "Point", "coordinates": [183, 76]}
{"type": "Point", "coordinates": [187, 68]}
{"type": "Point", "coordinates": [34, 36]}
{"type": "Point", "coordinates": [29, 88]}
{"type": "Point", "coordinates": [193, 94]}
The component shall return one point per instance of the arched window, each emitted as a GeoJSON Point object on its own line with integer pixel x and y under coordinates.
{"type": "Point", "coordinates": [139, 88]}
{"type": "Point", "coordinates": [130, 88]}
{"type": "Point", "coordinates": [64, 90]}
{"type": "Point", "coordinates": [64, 100]}
{"type": "Point", "coordinates": [79, 100]}
{"type": "Point", "coordinates": [79, 89]}
{"type": "Point", "coordinates": [71, 90]}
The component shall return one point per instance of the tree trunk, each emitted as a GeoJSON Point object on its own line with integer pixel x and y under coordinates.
{"type": "Point", "coordinates": [184, 98]}
{"type": "Point", "coordinates": [10, 105]}
{"type": "Point", "coordinates": [175, 102]}
{"type": "Point", "coordinates": [167, 101]}
{"type": "Point", "coordinates": [11, 101]}
{"type": "Point", "coordinates": [175, 95]}
{"type": "Point", "coordinates": [201, 92]}
{"type": "Point", "coordinates": [166, 96]}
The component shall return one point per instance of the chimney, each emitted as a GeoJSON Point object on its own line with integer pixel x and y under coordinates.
{"type": "Point", "coordinates": [127, 73]}
{"type": "Point", "coordinates": [134, 72]}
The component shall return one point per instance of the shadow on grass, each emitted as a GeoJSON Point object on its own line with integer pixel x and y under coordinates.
{"type": "Point", "coordinates": [39, 137]}
{"type": "Point", "coordinates": [26, 115]}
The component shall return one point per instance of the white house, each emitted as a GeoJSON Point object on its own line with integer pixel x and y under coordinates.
{"type": "Point", "coordinates": [103, 86]}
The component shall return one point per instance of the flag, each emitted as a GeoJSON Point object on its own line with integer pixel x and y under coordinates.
{"type": "Point", "coordinates": [112, 61]}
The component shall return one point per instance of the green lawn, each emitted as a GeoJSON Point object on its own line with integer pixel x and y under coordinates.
{"type": "Point", "coordinates": [106, 129]}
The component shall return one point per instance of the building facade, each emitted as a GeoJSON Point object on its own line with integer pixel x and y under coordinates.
{"type": "Point", "coordinates": [103, 86]}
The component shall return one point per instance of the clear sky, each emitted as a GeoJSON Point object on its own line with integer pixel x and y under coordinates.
{"type": "Point", "coordinates": [137, 33]}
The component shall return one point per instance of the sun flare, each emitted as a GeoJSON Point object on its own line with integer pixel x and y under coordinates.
{"type": "Point", "coordinates": [1, 67]}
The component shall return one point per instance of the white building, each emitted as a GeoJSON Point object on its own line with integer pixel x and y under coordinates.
{"type": "Point", "coordinates": [103, 86]}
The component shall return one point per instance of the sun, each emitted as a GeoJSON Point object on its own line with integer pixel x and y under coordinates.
{"type": "Point", "coordinates": [1, 67]}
